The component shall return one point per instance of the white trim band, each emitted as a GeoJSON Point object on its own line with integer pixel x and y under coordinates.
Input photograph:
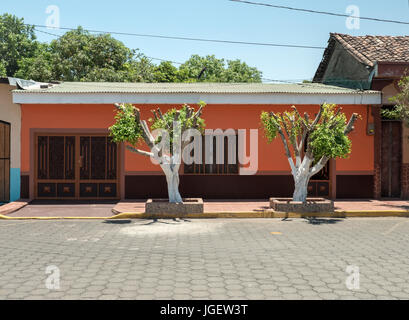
{"type": "Point", "coordinates": [172, 98]}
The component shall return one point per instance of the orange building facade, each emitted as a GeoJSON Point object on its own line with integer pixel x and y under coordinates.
{"type": "Point", "coordinates": [66, 152]}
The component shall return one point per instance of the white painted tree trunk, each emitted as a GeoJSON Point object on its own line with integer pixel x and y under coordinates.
{"type": "Point", "coordinates": [172, 179]}
{"type": "Point", "coordinates": [302, 174]}
{"type": "Point", "coordinates": [301, 188]}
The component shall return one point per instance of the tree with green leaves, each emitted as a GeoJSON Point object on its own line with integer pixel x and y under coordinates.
{"type": "Point", "coordinates": [17, 41]}
{"type": "Point", "coordinates": [81, 56]}
{"type": "Point", "coordinates": [313, 142]}
{"type": "Point", "coordinates": [167, 138]}
{"type": "Point", "coordinates": [212, 69]}
{"type": "Point", "coordinates": [401, 109]}
{"type": "Point", "coordinates": [3, 72]}
{"type": "Point", "coordinates": [166, 72]}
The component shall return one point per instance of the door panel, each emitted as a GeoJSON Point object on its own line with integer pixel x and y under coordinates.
{"type": "Point", "coordinates": [391, 155]}
{"type": "Point", "coordinates": [98, 158]}
{"type": "Point", "coordinates": [76, 166]}
{"type": "Point", "coordinates": [4, 161]}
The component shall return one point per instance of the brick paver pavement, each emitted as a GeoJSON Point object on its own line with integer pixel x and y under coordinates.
{"type": "Point", "coordinates": [205, 259]}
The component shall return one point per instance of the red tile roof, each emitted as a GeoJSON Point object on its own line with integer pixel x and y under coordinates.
{"type": "Point", "coordinates": [367, 49]}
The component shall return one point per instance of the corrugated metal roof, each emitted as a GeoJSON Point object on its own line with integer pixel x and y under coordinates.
{"type": "Point", "coordinates": [177, 88]}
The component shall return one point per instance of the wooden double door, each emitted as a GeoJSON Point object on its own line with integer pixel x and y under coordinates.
{"type": "Point", "coordinates": [4, 161]}
{"type": "Point", "coordinates": [391, 159]}
{"type": "Point", "coordinates": [76, 166]}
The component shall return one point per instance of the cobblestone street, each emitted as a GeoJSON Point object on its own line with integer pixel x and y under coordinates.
{"type": "Point", "coordinates": [205, 259]}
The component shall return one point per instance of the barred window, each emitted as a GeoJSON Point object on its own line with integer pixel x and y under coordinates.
{"type": "Point", "coordinates": [219, 156]}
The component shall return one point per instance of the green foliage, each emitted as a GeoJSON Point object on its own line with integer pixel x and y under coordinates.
{"type": "Point", "coordinates": [327, 138]}
{"type": "Point", "coordinates": [39, 67]}
{"type": "Point", "coordinates": [211, 69]}
{"type": "Point", "coordinates": [184, 122]}
{"type": "Point", "coordinates": [81, 56]}
{"type": "Point", "coordinates": [401, 110]}
{"type": "Point", "coordinates": [126, 129]}
{"type": "Point", "coordinates": [270, 125]}
{"type": "Point", "coordinates": [3, 71]}
{"type": "Point", "coordinates": [166, 72]}
{"type": "Point", "coordinates": [17, 41]}
{"type": "Point", "coordinates": [238, 71]}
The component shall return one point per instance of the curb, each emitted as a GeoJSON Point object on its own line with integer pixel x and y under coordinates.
{"type": "Point", "coordinates": [233, 215]}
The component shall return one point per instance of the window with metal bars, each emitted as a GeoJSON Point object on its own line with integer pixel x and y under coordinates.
{"type": "Point", "coordinates": [219, 156]}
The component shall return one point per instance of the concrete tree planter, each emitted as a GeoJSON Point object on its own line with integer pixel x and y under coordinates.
{"type": "Point", "coordinates": [312, 205]}
{"type": "Point", "coordinates": [164, 207]}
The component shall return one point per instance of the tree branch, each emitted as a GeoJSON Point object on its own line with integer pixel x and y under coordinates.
{"type": "Point", "coordinates": [287, 150]}
{"type": "Point", "coordinates": [318, 167]}
{"type": "Point", "coordinates": [350, 125]}
{"type": "Point", "coordinates": [318, 117]}
{"type": "Point", "coordinates": [142, 152]}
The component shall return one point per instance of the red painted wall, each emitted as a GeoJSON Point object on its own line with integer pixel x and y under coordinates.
{"type": "Point", "coordinates": [271, 157]}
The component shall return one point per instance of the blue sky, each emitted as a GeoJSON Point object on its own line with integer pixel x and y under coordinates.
{"type": "Point", "coordinates": [221, 19]}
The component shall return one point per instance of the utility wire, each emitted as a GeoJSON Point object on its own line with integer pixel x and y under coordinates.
{"type": "Point", "coordinates": [175, 62]}
{"type": "Point", "coordinates": [266, 44]}
{"type": "Point", "coordinates": [159, 59]}
{"type": "Point", "coordinates": [180, 63]}
{"type": "Point", "coordinates": [318, 12]}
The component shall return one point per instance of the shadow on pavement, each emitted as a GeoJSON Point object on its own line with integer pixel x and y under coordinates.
{"type": "Point", "coordinates": [319, 221]}
{"type": "Point", "coordinates": [117, 221]}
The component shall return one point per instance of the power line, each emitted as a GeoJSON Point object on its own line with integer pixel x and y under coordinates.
{"type": "Point", "coordinates": [318, 12]}
{"type": "Point", "coordinates": [180, 63]}
{"type": "Point", "coordinates": [152, 58]}
{"type": "Point", "coordinates": [265, 44]}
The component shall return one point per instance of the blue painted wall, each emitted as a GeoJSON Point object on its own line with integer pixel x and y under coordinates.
{"type": "Point", "coordinates": [14, 184]}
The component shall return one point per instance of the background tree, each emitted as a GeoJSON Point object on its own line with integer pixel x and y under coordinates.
{"type": "Point", "coordinates": [130, 128]}
{"type": "Point", "coordinates": [81, 56]}
{"type": "Point", "coordinates": [39, 67]}
{"type": "Point", "coordinates": [212, 69]}
{"type": "Point", "coordinates": [17, 41]}
{"type": "Point", "coordinates": [166, 72]}
{"type": "Point", "coordinates": [238, 71]}
{"type": "Point", "coordinates": [3, 72]}
{"type": "Point", "coordinates": [313, 142]}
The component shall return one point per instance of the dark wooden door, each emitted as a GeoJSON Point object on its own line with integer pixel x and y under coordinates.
{"type": "Point", "coordinates": [98, 170]}
{"type": "Point", "coordinates": [4, 161]}
{"type": "Point", "coordinates": [76, 167]}
{"type": "Point", "coordinates": [320, 184]}
{"type": "Point", "coordinates": [391, 158]}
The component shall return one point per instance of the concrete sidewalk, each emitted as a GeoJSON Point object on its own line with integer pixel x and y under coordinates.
{"type": "Point", "coordinates": [128, 209]}
{"type": "Point", "coordinates": [215, 206]}
{"type": "Point", "coordinates": [64, 209]}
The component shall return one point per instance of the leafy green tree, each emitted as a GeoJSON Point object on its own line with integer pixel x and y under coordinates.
{"type": "Point", "coordinates": [324, 138]}
{"type": "Point", "coordinates": [3, 72]}
{"type": "Point", "coordinates": [167, 145]}
{"type": "Point", "coordinates": [39, 67]}
{"type": "Point", "coordinates": [81, 56]}
{"type": "Point", "coordinates": [17, 41]}
{"type": "Point", "coordinates": [197, 68]}
{"type": "Point", "coordinates": [212, 69]}
{"type": "Point", "coordinates": [166, 72]}
{"type": "Point", "coordinates": [238, 71]}
{"type": "Point", "coordinates": [401, 110]}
